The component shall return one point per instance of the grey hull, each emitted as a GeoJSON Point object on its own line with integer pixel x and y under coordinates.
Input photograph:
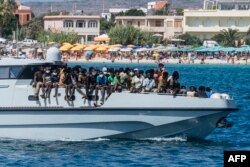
{"type": "Point", "coordinates": [91, 124]}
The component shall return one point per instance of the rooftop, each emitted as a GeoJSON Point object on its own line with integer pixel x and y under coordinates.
{"type": "Point", "coordinates": [161, 4]}
{"type": "Point", "coordinates": [59, 17]}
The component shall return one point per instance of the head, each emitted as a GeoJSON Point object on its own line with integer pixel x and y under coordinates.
{"type": "Point", "coordinates": [175, 75]}
{"type": "Point", "coordinates": [161, 66]}
{"type": "Point", "coordinates": [47, 69]}
{"type": "Point", "coordinates": [165, 74]}
{"type": "Point", "coordinates": [208, 89]}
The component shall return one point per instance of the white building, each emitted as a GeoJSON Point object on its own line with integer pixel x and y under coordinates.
{"type": "Point", "coordinates": [106, 16]}
{"type": "Point", "coordinates": [206, 23]}
{"type": "Point", "coordinates": [87, 27]}
{"type": "Point", "coordinates": [151, 5]}
{"type": "Point", "coordinates": [227, 4]}
{"type": "Point", "coordinates": [166, 26]}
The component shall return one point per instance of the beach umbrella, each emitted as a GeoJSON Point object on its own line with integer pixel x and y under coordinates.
{"type": "Point", "coordinates": [88, 48]}
{"type": "Point", "coordinates": [156, 55]}
{"type": "Point", "coordinates": [102, 38]}
{"type": "Point", "coordinates": [101, 49]}
{"type": "Point", "coordinates": [114, 49]}
{"type": "Point", "coordinates": [66, 43]}
{"type": "Point", "coordinates": [51, 43]}
{"type": "Point", "coordinates": [76, 49]}
{"type": "Point", "coordinates": [130, 46]}
{"type": "Point", "coordinates": [88, 53]}
{"type": "Point", "coordinates": [126, 49]}
{"type": "Point", "coordinates": [65, 48]}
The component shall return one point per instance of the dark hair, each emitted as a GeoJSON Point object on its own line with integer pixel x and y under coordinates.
{"type": "Point", "coordinates": [161, 65]}
{"type": "Point", "coordinates": [165, 74]}
{"type": "Point", "coordinates": [175, 75]}
{"type": "Point", "coordinates": [208, 89]}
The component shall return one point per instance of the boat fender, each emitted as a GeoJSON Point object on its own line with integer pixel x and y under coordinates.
{"type": "Point", "coordinates": [216, 96]}
{"type": "Point", "coordinates": [225, 96]}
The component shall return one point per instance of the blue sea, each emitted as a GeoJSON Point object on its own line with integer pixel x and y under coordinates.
{"type": "Point", "coordinates": [232, 79]}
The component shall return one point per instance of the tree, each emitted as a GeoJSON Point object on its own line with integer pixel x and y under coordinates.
{"type": "Point", "coordinates": [179, 11]}
{"type": "Point", "coordinates": [106, 25]}
{"type": "Point", "coordinates": [126, 35]}
{"type": "Point", "coordinates": [163, 11]}
{"type": "Point", "coordinates": [229, 36]}
{"type": "Point", "coordinates": [190, 39]}
{"type": "Point", "coordinates": [35, 26]}
{"type": "Point", "coordinates": [58, 37]}
{"type": "Point", "coordinates": [132, 12]}
{"type": "Point", "coordinates": [7, 8]}
{"type": "Point", "coordinates": [218, 38]}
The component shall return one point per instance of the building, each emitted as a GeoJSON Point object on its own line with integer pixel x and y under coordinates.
{"type": "Point", "coordinates": [106, 16]}
{"type": "Point", "coordinates": [87, 27]}
{"type": "Point", "coordinates": [118, 10]}
{"type": "Point", "coordinates": [227, 4]}
{"type": "Point", "coordinates": [161, 4]}
{"type": "Point", "coordinates": [23, 14]}
{"type": "Point", "coordinates": [166, 26]}
{"type": "Point", "coordinates": [151, 5]}
{"type": "Point", "coordinates": [206, 23]}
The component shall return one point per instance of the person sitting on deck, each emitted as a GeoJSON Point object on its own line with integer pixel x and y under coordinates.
{"type": "Point", "coordinates": [137, 81]}
{"type": "Point", "coordinates": [148, 83]}
{"type": "Point", "coordinates": [208, 91]}
{"type": "Point", "coordinates": [202, 92]}
{"type": "Point", "coordinates": [173, 80]}
{"type": "Point", "coordinates": [47, 83]}
{"type": "Point", "coordinates": [192, 92]}
{"type": "Point", "coordinates": [163, 82]}
{"type": "Point", "coordinates": [55, 81]}
{"type": "Point", "coordinates": [38, 81]}
{"type": "Point", "coordinates": [101, 84]}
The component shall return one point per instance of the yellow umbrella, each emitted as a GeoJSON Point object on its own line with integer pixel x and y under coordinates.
{"type": "Point", "coordinates": [101, 49]}
{"type": "Point", "coordinates": [130, 46]}
{"type": "Point", "coordinates": [156, 55]}
{"type": "Point", "coordinates": [76, 44]}
{"type": "Point", "coordinates": [65, 47]}
{"type": "Point", "coordinates": [66, 43]}
{"type": "Point", "coordinates": [76, 49]}
{"type": "Point", "coordinates": [88, 48]}
{"type": "Point", "coordinates": [51, 43]}
{"type": "Point", "coordinates": [117, 45]}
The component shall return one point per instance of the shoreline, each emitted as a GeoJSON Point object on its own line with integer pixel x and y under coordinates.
{"type": "Point", "coordinates": [164, 61]}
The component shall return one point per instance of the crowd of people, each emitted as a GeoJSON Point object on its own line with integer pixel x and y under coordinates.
{"type": "Point", "coordinates": [107, 80]}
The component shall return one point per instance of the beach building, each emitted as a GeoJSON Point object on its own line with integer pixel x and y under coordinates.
{"type": "Point", "coordinates": [87, 27]}
{"type": "Point", "coordinates": [23, 13]}
{"type": "Point", "coordinates": [167, 27]}
{"type": "Point", "coordinates": [227, 4]}
{"type": "Point", "coordinates": [206, 23]}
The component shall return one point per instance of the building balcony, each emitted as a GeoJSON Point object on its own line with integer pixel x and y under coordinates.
{"type": "Point", "coordinates": [212, 29]}
{"type": "Point", "coordinates": [157, 29]}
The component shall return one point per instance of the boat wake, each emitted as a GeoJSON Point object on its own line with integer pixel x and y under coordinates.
{"type": "Point", "coordinates": [167, 139]}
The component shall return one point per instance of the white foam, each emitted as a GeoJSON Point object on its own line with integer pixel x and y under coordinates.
{"type": "Point", "coordinates": [167, 139]}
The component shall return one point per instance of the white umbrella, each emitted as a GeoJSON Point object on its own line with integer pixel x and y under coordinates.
{"type": "Point", "coordinates": [114, 49]}
{"type": "Point", "coordinates": [126, 49]}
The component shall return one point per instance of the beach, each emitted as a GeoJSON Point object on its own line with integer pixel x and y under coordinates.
{"type": "Point", "coordinates": [165, 61]}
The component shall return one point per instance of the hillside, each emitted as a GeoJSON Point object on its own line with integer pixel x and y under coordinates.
{"type": "Point", "coordinates": [96, 6]}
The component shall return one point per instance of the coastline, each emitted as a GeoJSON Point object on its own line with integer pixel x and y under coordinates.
{"type": "Point", "coordinates": [165, 61]}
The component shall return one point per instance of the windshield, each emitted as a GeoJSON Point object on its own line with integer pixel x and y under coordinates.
{"type": "Point", "coordinates": [10, 72]}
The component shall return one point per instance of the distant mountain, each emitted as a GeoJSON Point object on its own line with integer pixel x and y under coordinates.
{"type": "Point", "coordinates": [96, 6]}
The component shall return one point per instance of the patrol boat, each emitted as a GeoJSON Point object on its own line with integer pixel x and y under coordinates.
{"type": "Point", "coordinates": [123, 115]}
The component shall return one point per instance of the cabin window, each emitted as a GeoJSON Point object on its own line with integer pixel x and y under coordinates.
{"type": "Point", "coordinates": [10, 72]}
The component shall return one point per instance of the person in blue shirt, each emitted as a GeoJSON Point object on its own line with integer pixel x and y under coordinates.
{"type": "Point", "coordinates": [101, 84]}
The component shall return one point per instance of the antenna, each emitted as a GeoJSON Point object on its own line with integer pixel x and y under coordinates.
{"type": "Point", "coordinates": [103, 6]}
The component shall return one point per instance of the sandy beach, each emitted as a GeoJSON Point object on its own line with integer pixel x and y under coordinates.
{"type": "Point", "coordinates": [165, 61]}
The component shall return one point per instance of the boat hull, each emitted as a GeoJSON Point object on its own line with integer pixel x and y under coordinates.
{"type": "Point", "coordinates": [82, 124]}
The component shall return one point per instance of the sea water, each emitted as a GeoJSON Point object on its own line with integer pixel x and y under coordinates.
{"type": "Point", "coordinates": [231, 79]}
